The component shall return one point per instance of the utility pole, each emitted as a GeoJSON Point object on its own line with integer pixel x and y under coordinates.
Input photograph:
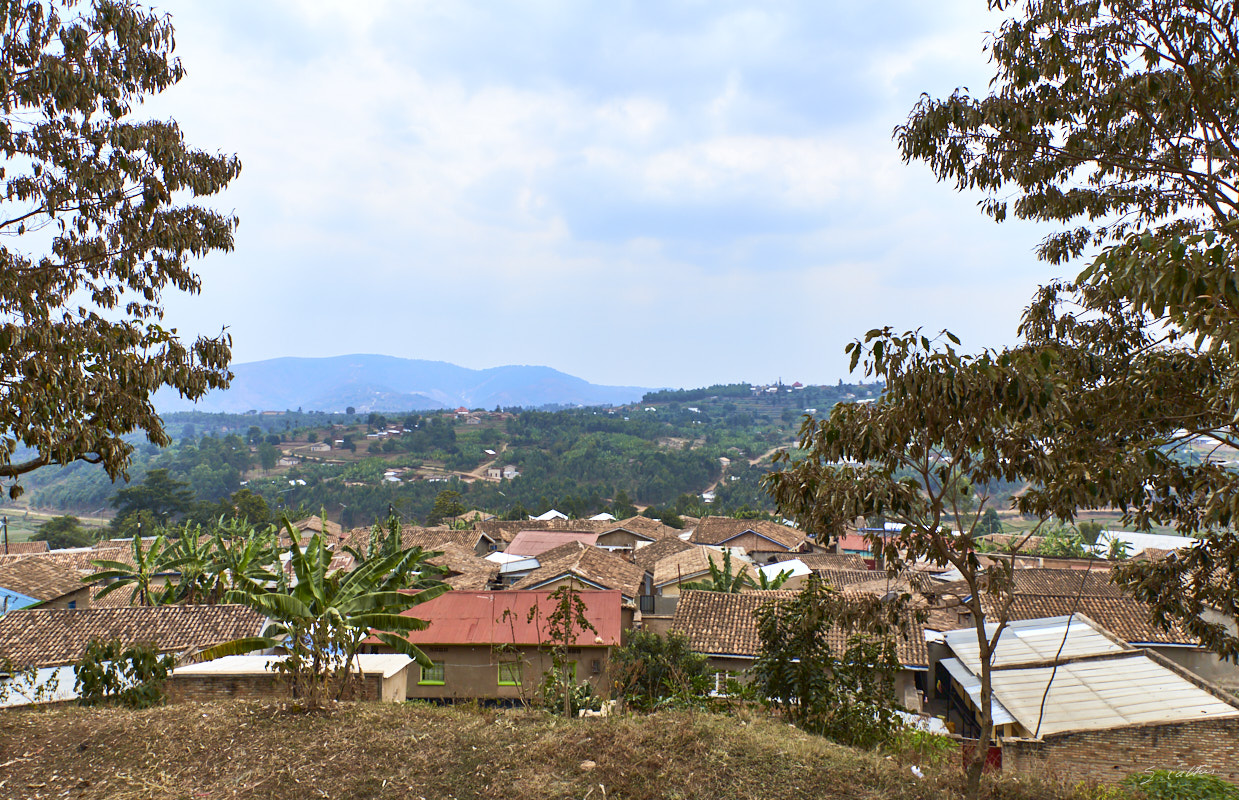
{"type": "Point", "coordinates": [6, 534]}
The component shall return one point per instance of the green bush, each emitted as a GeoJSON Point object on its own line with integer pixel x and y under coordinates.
{"type": "Point", "coordinates": [581, 694]}
{"type": "Point", "coordinates": [847, 696]}
{"type": "Point", "coordinates": [922, 747]}
{"type": "Point", "coordinates": [1168, 784]}
{"type": "Point", "coordinates": [113, 674]}
{"type": "Point", "coordinates": [653, 671]}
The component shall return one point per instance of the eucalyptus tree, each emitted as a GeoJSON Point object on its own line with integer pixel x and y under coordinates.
{"type": "Point", "coordinates": [1116, 120]}
{"type": "Point", "coordinates": [100, 218]}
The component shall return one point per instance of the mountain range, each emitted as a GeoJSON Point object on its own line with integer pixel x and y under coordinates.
{"type": "Point", "coordinates": [385, 383]}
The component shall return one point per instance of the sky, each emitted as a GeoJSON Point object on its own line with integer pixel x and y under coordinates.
{"type": "Point", "coordinates": [646, 194]}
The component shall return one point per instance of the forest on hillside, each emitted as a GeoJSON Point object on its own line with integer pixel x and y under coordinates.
{"type": "Point", "coordinates": [662, 453]}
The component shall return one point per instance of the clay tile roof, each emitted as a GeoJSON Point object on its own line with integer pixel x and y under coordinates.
{"type": "Point", "coordinates": [645, 526]}
{"type": "Point", "coordinates": [646, 557]}
{"type": "Point", "coordinates": [1053, 593]}
{"type": "Point", "coordinates": [416, 536]}
{"type": "Point", "coordinates": [535, 543]}
{"type": "Point", "coordinates": [469, 572]}
{"type": "Point", "coordinates": [718, 530]}
{"type": "Point", "coordinates": [817, 561]}
{"type": "Point", "coordinates": [853, 578]}
{"type": "Point", "coordinates": [58, 637]}
{"type": "Point", "coordinates": [717, 623]}
{"type": "Point", "coordinates": [589, 563]}
{"type": "Point", "coordinates": [319, 525]}
{"type": "Point", "coordinates": [438, 538]}
{"type": "Point", "coordinates": [40, 578]}
{"type": "Point", "coordinates": [332, 536]}
{"type": "Point", "coordinates": [23, 548]}
{"type": "Point", "coordinates": [690, 564]}
{"type": "Point", "coordinates": [1051, 582]}
{"type": "Point", "coordinates": [78, 558]}
{"type": "Point", "coordinates": [121, 598]}
{"type": "Point", "coordinates": [1125, 617]}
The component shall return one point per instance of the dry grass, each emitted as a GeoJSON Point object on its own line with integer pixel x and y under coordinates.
{"type": "Point", "coordinates": [244, 749]}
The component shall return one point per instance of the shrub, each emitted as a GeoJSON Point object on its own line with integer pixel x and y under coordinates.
{"type": "Point", "coordinates": [922, 747]}
{"type": "Point", "coordinates": [1167, 784]}
{"type": "Point", "coordinates": [580, 695]}
{"type": "Point", "coordinates": [653, 671]}
{"type": "Point", "coordinates": [113, 674]}
{"type": "Point", "coordinates": [847, 696]}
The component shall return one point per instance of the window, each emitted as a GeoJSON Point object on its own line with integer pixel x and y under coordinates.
{"type": "Point", "coordinates": [721, 680]}
{"type": "Point", "coordinates": [595, 666]}
{"type": "Point", "coordinates": [72, 604]}
{"type": "Point", "coordinates": [433, 675]}
{"type": "Point", "coordinates": [509, 673]}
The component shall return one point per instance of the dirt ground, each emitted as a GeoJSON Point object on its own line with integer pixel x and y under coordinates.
{"type": "Point", "coordinates": [255, 750]}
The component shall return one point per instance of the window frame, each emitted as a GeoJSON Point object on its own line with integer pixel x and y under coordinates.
{"type": "Point", "coordinates": [441, 667]}
{"type": "Point", "coordinates": [514, 668]}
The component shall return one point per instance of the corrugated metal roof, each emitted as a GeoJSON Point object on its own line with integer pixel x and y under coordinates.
{"type": "Point", "coordinates": [794, 568]}
{"type": "Point", "coordinates": [972, 685]}
{"type": "Point", "coordinates": [1033, 640]}
{"type": "Point", "coordinates": [535, 543]}
{"type": "Point", "coordinates": [503, 617]}
{"type": "Point", "coordinates": [1104, 693]}
{"type": "Point", "coordinates": [1099, 683]}
{"type": "Point", "coordinates": [1139, 541]}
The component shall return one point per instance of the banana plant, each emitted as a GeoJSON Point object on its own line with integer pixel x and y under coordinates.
{"type": "Point", "coordinates": [322, 620]}
{"type": "Point", "coordinates": [140, 576]}
{"type": "Point", "coordinates": [722, 579]}
{"type": "Point", "coordinates": [764, 581]}
{"type": "Point", "coordinates": [242, 558]}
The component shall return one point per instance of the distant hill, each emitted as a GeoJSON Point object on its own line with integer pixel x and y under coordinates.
{"type": "Point", "coordinates": [385, 383]}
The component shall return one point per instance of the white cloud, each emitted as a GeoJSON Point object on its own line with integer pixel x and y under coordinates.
{"type": "Point", "coordinates": [680, 195]}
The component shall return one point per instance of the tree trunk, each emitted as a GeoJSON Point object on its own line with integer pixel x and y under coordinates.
{"type": "Point", "coordinates": [976, 767]}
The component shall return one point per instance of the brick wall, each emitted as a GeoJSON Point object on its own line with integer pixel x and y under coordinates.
{"type": "Point", "coordinates": [1112, 755]}
{"type": "Point", "coordinates": [201, 688]}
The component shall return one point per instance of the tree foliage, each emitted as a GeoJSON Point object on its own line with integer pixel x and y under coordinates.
{"type": "Point", "coordinates": [568, 618]}
{"type": "Point", "coordinates": [111, 673]}
{"type": "Point", "coordinates": [64, 531]}
{"type": "Point", "coordinates": [1116, 120]}
{"type": "Point", "coordinates": [652, 671]}
{"type": "Point", "coordinates": [165, 497]}
{"type": "Point", "coordinates": [948, 426]}
{"type": "Point", "coordinates": [96, 231]}
{"type": "Point", "coordinates": [140, 576]}
{"type": "Point", "coordinates": [844, 693]}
